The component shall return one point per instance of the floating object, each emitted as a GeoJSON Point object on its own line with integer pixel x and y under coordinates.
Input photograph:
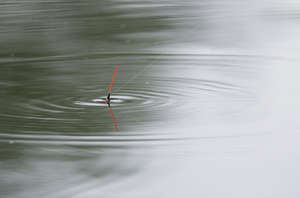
{"type": "Point", "coordinates": [113, 80]}
{"type": "Point", "coordinates": [107, 99]}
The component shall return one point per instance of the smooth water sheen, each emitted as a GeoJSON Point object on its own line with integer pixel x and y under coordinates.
{"type": "Point", "coordinates": [205, 101]}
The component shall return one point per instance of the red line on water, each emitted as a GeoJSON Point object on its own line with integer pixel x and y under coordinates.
{"type": "Point", "coordinates": [113, 80]}
{"type": "Point", "coordinates": [114, 119]}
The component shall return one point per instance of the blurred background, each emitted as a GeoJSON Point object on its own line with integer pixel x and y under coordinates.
{"type": "Point", "coordinates": [205, 101]}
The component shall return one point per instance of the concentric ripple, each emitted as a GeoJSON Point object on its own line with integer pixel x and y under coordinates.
{"type": "Point", "coordinates": [116, 100]}
{"type": "Point", "coordinates": [168, 94]}
{"type": "Point", "coordinates": [133, 100]}
{"type": "Point", "coordinates": [208, 85]}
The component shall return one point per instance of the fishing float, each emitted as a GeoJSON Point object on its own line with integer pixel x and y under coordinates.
{"type": "Point", "coordinates": [107, 99]}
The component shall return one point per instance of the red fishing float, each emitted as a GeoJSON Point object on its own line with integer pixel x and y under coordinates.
{"type": "Point", "coordinates": [107, 99]}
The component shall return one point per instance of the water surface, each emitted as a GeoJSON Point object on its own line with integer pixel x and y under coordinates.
{"type": "Point", "coordinates": [205, 101]}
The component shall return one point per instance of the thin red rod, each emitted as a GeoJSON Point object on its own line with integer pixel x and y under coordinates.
{"type": "Point", "coordinates": [113, 80]}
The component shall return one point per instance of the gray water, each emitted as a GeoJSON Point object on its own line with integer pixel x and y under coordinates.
{"type": "Point", "coordinates": [205, 102]}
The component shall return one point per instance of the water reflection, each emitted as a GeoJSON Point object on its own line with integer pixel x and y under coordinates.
{"type": "Point", "coordinates": [113, 118]}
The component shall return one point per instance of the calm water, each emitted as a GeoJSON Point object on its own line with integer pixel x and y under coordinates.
{"type": "Point", "coordinates": [205, 102]}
